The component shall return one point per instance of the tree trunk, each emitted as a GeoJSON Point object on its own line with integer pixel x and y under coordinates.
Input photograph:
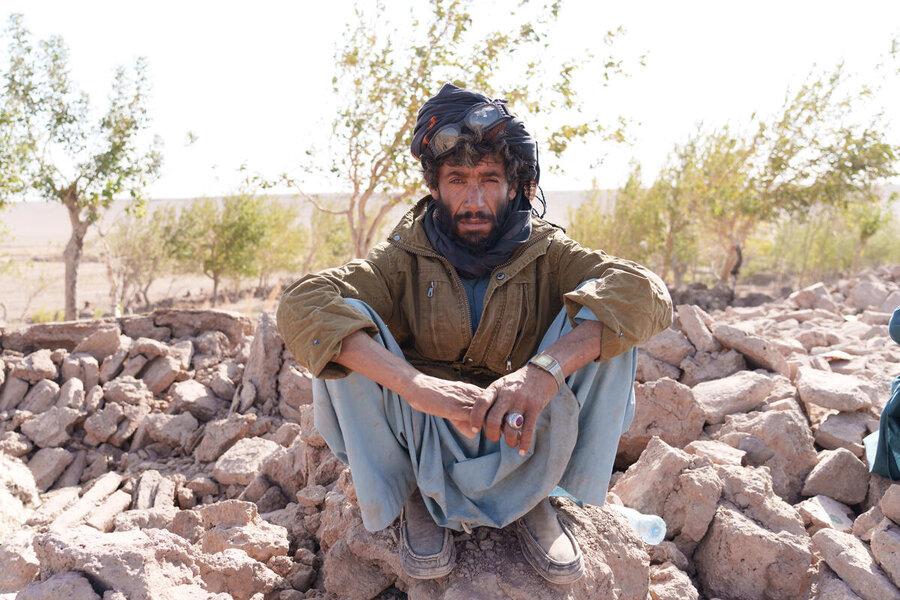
{"type": "Point", "coordinates": [72, 253]}
{"type": "Point", "coordinates": [215, 293]}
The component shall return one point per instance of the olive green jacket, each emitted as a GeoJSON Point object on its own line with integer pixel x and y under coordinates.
{"type": "Point", "coordinates": [421, 299]}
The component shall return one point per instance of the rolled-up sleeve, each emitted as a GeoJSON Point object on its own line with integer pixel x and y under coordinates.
{"type": "Point", "coordinates": [314, 319]}
{"type": "Point", "coordinates": [631, 301]}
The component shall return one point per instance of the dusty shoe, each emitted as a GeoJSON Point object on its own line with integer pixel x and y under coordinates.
{"type": "Point", "coordinates": [549, 546]}
{"type": "Point", "coordinates": [426, 549]}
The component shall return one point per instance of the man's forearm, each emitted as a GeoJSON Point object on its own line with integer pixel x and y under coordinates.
{"type": "Point", "coordinates": [578, 347]}
{"type": "Point", "coordinates": [361, 354]}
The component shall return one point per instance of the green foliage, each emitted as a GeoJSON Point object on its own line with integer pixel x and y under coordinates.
{"type": "Point", "coordinates": [221, 239]}
{"type": "Point", "coordinates": [138, 250]}
{"type": "Point", "coordinates": [51, 144]}
{"type": "Point", "coordinates": [721, 186]}
{"type": "Point", "coordinates": [385, 71]}
{"type": "Point", "coordinates": [284, 239]}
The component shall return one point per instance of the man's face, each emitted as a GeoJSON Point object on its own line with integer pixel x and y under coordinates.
{"type": "Point", "coordinates": [472, 200]}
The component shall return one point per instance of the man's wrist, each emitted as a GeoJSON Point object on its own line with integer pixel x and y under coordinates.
{"type": "Point", "coordinates": [549, 365]}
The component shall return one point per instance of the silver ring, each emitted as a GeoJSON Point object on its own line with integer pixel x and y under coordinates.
{"type": "Point", "coordinates": [514, 420]}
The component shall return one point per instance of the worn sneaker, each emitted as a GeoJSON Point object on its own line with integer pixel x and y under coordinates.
{"type": "Point", "coordinates": [549, 546]}
{"type": "Point", "coordinates": [426, 549]}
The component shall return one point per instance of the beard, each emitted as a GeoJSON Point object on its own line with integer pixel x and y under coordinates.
{"type": "Point", "coordinates": [474, 243]}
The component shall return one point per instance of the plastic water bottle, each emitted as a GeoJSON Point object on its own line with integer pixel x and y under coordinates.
{"type": "Point", "coordinates": [651, 528]}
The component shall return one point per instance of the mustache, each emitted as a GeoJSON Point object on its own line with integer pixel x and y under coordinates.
{"type": "Point", "coordinates": [480, 215]}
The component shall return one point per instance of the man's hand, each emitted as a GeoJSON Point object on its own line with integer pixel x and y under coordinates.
{"type": "Point", "coordinates": [451, 400]}
{"type": "Point", "coordinates": [526, 391]}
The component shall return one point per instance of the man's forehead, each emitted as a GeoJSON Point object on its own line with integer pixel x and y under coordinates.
{"type": "Point", "coordinates": [488, 161]}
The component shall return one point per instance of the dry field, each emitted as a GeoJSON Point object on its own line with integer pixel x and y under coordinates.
{"type": "Point", "coordinates": [34, 234]}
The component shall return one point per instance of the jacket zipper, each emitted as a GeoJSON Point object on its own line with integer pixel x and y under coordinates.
{"type": "Point", "coordinates": [457, 280]}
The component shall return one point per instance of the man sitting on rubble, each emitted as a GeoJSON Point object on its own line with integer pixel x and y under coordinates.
{"type": "Point", "coordinates": [475, 320]}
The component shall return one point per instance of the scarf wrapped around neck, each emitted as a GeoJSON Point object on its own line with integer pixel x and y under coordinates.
{"type": "Point", "coordinates": [515, 230]}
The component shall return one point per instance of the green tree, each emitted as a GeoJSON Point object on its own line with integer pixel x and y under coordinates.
{"type": "Point", "coordinates": [49, 142]}
{"type": "Point", "coordinates": [721, 185]}
{"type": "Point", "coordinates": [385, 72]}
{"type": "Point", "coordinates": [284, 240]}
{"type": "Point", "coordinates": [138, 250]}
{"type": "Point", "coordinates": [221, 239]}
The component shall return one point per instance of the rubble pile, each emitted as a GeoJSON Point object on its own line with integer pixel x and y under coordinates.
{"type": "Point", "coordinates": [174, 455]}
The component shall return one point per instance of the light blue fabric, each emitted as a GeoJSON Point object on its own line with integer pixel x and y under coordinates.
{"type": "Point", "coordinates": [391, 448]}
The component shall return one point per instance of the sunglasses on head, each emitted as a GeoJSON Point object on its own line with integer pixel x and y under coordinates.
{"type": "Point", "coordinates": [481, 120]}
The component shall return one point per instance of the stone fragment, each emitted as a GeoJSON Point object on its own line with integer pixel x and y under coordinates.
{"type": "Point", "coordinates": [18, 483]}
{"type": "Point", "coordinates": [196, 398]}
{"type": "Point", "coordinates": [866, 522]}
{"type": "Point", "coordinates": [759, 351]}
{"type": "Point", "coordinates": [220, 435]}
{"type": "Point", "coordinates": [203, 486]}
{"type": "Point", "coordinates": [112, 364]}
{"type": "Point", "coordinates": [183, 351]}
{"type": "Point", "coordinates": [81, 366]}
{"type": "Point", "coordinates": [101, 343]}
{"type": "Point", "coordinates": [191, 322]}
{"type": "Point", "coordinates": [312, 496]}
{"type": "Point", "coordinates": [40, 397]}
{"type": "Point", "coordinates": [20, 564]}
{"type": "Point", "coordinates": [219, 381]}
{"type": "Point", "coordinates": [234, 573]}
{"type": "Point", "coordinates": [160, 373]}
{"type": "Point", "coordinates": [822, 511]}
{"type": "Point", "coordinates": [663, 408]}
{"type": "Point", "coordinates": [240, 463]}
{"type": "Point", "coordinates": [144, 492]}
{"type": "Point", "coordinates": [127, 390]}
{"type": "Point", "coordinates": [55, 502]}
{"type": "Point", "coordinates": [853, 562]}
{"type": "Point", "coordinates": [138, 564]}
{"type": "Point", "coordinates": [740, 392]}
{"type": "Point", "coordinates": [832, 588]}
{"type": "Point", "coordinates": [71, 395]}
{"type": "Point", "coordinates": [51, 335]}
{"type": "Point", "coordinates": [287, 467]}
{"type": "Point", "coordinates": [667, 582]}
{"type": "Point", "coordinates": [67, 584]}
{"type": "Point", "coordinates": [844, 430]}
{"type": "Point", "coordinates": [706, 366]}
{"type": "Point", "coordinates": [102, 488]}
{"type": "Point", "coordinates": [750, 490]}
{"type": "Point", "coordinates": [695, 329]}
{"type": "Point", "coordinates": [717, 452]}
{"type": "Point", "coordinates": [651, 369]}
{"type": "Point", "coordinates": [103, 424]}
{"type": "Point", "coordinates": [148, 518]}
{"type": "Point", "coordinates": [669, 346]}
{"type": "Point", "coordinates": [780, 440]}
{"type": "Point", "coordinates": [814, 296]}
{"type": "Point", "coordinates": [886, 548]}
{"type": "Point", "coordinates": [738, 554]}
{"type": "Point", "coordinates": [294, 384]}
{"type": "Point", "coordinates": [14, 391]}
{"type": "Point", "coordinates": [839, 475]}
{"type": "Point", "coordinates": [144, 326]}
{"type": "Point", "coordinates": [172, 430]}
{"type": "Point", "coordinates": [236, 524]}
{"type": "Point", "coordinates": [149, 347]}
{"type": "Point", "coordinates": [15, 444]}
{"type": "Point", "coordinates": [72, 475]}
{"type": "Point", "coordinates": [34, 367]}
{"type": "Point", "coordinates": [308, 431]}
{"type": "Point", "coordinates": [51, 428]}
{"type": "Point", "coordinates": [264, 363]}
{"type": "Point", "coordinates": [867, 293]}
{"type": "Point", "coordinates": [832, 390]}
{"type": "Point", "coordinates": [93, 398]}
{"type": "Point", "coordinates": [103, 517]}
{"type": "Point", "coordinates": [890, 503]}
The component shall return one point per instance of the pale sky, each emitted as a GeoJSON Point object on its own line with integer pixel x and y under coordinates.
{"type": "Point", "coordinates": [253, 80]}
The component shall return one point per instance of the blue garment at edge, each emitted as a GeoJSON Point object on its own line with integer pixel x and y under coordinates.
{"type": "Point", "coordinates": [887, 453]}
{"type": "Point", "coordinates": [466, 483]}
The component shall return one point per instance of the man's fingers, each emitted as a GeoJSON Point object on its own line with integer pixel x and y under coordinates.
{"type": "Point", "coordinates": [463, 428]}
{"type": "Point", "coordinates": [510, 435]}
{"type": "Point", "coordinates": [480, 409]}
{"type": "Point", "coordinates": [527, 434]}
{"type": "Point", "coordinates": [494, 419]}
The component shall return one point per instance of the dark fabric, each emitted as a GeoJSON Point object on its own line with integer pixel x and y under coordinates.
{"type": "Point", "coordinates": [475, 291]}
{"type": "Point", "coordinates": [887, 452]}
{"type": "Point", "coordinates": [516, 231]}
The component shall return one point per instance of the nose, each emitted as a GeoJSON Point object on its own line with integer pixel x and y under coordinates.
{"type": "Point", "coordinates": [474, 200]}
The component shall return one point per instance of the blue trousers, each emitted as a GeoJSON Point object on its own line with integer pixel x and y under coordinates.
{"type": "Point", "coordinates": [392, 448]}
